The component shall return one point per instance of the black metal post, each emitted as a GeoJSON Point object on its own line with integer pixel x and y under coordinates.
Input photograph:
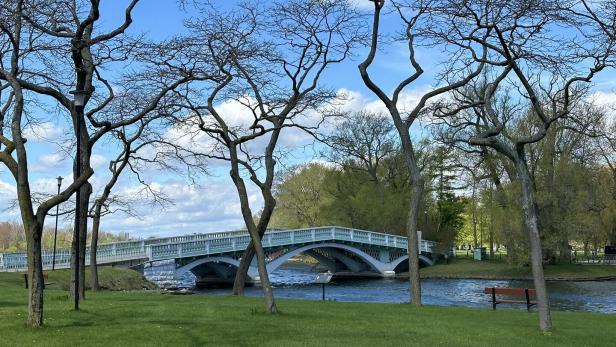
{"type": "Point", "coordinates": [493, 298]}
{"type": "Point", "coordinates": [55, 234]}
{"type": "Point", "coordinates": [79, 110]}
{"type": "Point", "coordinates": [322, 291]}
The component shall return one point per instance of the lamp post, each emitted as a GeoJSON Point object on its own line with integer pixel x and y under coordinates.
{"type": "Point", "coordinates": [55, 234]}
{"type": "Point", "coordinates": [80, 102]}
{"type": "Point", "coordinates": [426, 218]}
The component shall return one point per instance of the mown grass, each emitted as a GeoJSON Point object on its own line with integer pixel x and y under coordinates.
{"type": "Point", "coordinates": [496, 269]}
{"type": "Point", "coordinates": [150, 319]}
{"type": "Point", "coordinates": [109, 278]}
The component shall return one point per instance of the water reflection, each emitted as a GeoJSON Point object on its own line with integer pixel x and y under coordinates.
{"type": "Point", "coordinates": [295, 282]}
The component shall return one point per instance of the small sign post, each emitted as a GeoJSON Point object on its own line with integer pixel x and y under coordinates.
{"type": "Point", "coordinates": [323, 278]}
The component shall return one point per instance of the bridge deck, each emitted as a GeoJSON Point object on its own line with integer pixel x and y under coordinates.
{"type": "Point", "coordinates": [210, 244]}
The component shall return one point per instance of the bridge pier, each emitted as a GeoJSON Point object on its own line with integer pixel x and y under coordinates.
{"type": "Point", "coordinates": [350, 263]}
{"type": "Point", "coordinates": [162, 273]}
{"type": "Point", "coordinates": [389, 273]}
{"type": "Point", "coordinates": [323, 260]}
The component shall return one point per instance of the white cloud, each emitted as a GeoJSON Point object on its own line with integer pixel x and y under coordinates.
{"type": "Point", "coordinates": [213, 207]}
{"type": "Point", "coordinates": [8, 193]}
{"type": "Point", "coordinates": [7, 189]}
{"type": "Point", "coordinates": [48, 162]}
{"type": "Point", "coordinates": [98, 161]}
{"type": "Point", "coordinates": [356, 101]}
{"type": "Point", "coordinates": [363, 4]}
{"type": "Point", "coordinates": [604, 99]}
{"type": "Point", "coordinates": [42, 132]}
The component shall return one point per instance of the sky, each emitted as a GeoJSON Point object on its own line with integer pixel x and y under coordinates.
{"type": "Point", "coordinates": [212, 205]}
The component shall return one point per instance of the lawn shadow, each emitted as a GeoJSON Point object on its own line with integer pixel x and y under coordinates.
{"type": "Point", "coordinates": [10, 304]}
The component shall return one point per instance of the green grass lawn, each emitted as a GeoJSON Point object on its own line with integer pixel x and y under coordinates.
{"type": "Point", "coordinates": [112, 318]}
{"type": "Point", "coordinates": [499, 269]}
{"type": "Point", "coordinates": [109, 278]}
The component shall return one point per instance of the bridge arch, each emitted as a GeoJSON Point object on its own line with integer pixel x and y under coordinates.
{"type": "Point", "coordinates": [368, 259]}
{"type": "Point", "coordinates": [188, 267]}
{"type": "Point", "coordinates": [422, 259]}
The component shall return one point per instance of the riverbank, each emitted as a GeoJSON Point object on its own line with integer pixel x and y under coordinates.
{"type": "Point", "coordinates": [151, 319]}
{"type": "Point", "coordinates": [114, 279]}
{"type": "Point", "coordinates": [464, 268]}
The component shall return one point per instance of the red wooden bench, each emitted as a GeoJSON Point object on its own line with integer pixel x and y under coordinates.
{"type": "Point", "coordinates": [519, 292]}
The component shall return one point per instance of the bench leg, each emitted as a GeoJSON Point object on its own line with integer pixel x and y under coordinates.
{"type": "Point", "coordinates": [493, 299]}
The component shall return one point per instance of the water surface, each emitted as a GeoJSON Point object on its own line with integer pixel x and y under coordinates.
{"type": "Point", "coordinates": [294, 281]}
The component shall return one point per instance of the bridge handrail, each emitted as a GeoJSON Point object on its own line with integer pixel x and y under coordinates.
{"type": "Point", "coordinates": [222, 242]}
{"type": "Point", "coordinates": [17, 261]}
{"type": "Point", "coordinates": [276, 238]}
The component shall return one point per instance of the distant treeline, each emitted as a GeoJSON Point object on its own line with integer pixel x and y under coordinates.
{"type": "Point", "coordinates": [13, 239]}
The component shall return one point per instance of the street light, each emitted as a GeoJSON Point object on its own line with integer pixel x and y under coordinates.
{"type": "Point", "coordinates": [80, 102]}
{"type": "Point", "coordinates": [426, 218]}
{"type": "Point", "coordinates": [80, 97]}
{"type": "Point", "coordinates": [55, 234]}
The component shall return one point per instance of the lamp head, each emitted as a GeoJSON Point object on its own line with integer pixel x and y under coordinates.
{"type": "Point", "coordinates": [80, 97]}
{"type": "Point", "coordinates": [59, 178]}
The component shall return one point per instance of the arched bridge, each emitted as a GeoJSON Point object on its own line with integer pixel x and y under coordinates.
{"type": "Point", "coordinates": [214, 257]}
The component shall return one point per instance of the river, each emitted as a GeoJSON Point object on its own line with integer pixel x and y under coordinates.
{"type": "Point", "coordinates": [294, 281]}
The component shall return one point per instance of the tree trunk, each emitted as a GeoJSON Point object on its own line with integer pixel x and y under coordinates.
{"type": "Point", "coordinates": [530, 219]}
{"type": "Point", "coordinates": [417, 187]}
{"type": "Point", "coordinates": [256, 232]}
{"type": "Point", "coordinates": [413, 242]}
{"type": "Point", "coordinates": [86, 190]}
{"type": "Point", "coordinates": [33, 224]}
{"type": "Point", "coordinates": [93, 248]}
{"type": "Point", "coordinates": [242, 271]}
{"type": "Point", "coordinates": [491, 243]}
{"type": "Point", "coordinates": [35, 274]}
{"type": "Point", "coordinates": [266, 286]}
{"type": "Point", "coordinates": [491, 225]}
{"type": "Point", "coordinates": [613, 235]}
{"type": "Point", "coordinates": [474, 217]}
{"type": "Point", "coordinates": [564, 249]}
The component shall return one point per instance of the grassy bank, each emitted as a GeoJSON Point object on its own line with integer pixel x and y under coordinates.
{"type": "Point", "coordinates": [109, 279]}
{"type": "Point", "coordinates": [150, 319]}
{"type": "Point", "coordinates": [495, 269]}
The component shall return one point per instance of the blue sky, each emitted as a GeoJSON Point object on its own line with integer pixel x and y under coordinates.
{"type": "Point", "coordinates": [212, 205]}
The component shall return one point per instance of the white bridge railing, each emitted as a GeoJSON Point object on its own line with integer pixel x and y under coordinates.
{"type": "Point", "coordinates": [208, 244]}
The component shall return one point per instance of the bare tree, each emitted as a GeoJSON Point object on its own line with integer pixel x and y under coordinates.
{"type": "Point", "coordinates": [361, 142]}
{"type": "Point", "coordinates": [412, 16]}
{"type": "Point", "coordinates": [14, 155]}
{"type": "Point", "coordinates": [68, 51]}
{"type": "Point", "coordinates": [272, 58]}
{"type": "Point", "coordinates": [535, 71]}
{"type": "Point", "coordinates": [143, 137]}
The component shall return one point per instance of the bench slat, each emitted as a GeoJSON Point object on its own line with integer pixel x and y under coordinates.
{"type": "Point", "coordinates": [505, 301]}
{"type": "Point", "coordinates": [511, 291]}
